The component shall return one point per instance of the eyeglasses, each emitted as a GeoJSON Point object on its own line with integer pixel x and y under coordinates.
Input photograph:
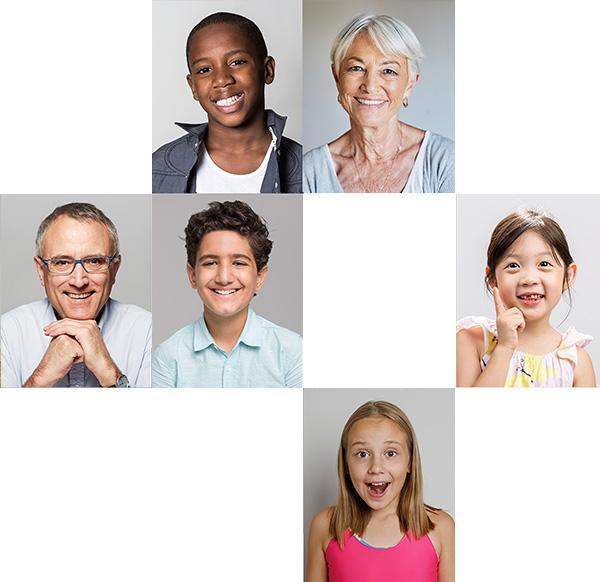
{"type": "Point", "coordinates": [66, 265]}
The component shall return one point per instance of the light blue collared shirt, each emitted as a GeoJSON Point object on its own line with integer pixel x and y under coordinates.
{"type": "Point", "coordinates": [126, 331]}
{"type": "Point", "coordinates": [265, 356]}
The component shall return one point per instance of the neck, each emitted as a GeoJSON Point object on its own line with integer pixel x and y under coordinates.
{"type": "Point", "coordinates": [236, 140]}
{"type": "Point", "coordinates": [375, 143]}
{"type": "Point", "coordinates": [536, 329]}
{"type": "Point", "coordinates": [226, 331]}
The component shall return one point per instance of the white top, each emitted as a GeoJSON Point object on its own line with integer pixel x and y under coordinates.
{"type": "Point", "coordinates": [126, 331]}
{"type": "Point", "coordinates": [433, 170]}
{"type": "Point", "coordinates": [210, 179]}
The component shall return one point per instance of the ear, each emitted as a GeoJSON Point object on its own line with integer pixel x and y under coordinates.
{"type": "Point", "coordinates": [115, 268]}
{"type": "Point", "coordinates": [410, 86]}
{"type": "Point", "coordinates": [40, 269]}
{"type": "Point", "coordinates": [269, 70]}
{"type": "Point", "coordinates": [490, 278]}
{"type": "Point", "coordinates": [191, 86]}
{"type": "Point", "coordinates": [571, 274]}
{"type": "Point", "coordinates": [262, 274]}
{"type": "Point", "coordinates": [191, 273]}
{"type": "Point", "coordinates": [335, 76]}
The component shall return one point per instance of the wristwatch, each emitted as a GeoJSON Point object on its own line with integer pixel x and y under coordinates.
{"type": "Point", "coordinates": [122, 382]}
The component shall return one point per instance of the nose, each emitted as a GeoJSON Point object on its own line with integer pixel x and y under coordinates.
{"type": "Point", "coordinates": [224, 274]}
{"type": "Point", "coordinates": [79, 276]}
{"type": "Point", "coordinates": [530, 276]}
{"type": "Point", "coordinates": [369, 82]}
{"type": "Point", "coordinates": [222, 77]}
{"type": "Point", "coordinates": [375, 465]}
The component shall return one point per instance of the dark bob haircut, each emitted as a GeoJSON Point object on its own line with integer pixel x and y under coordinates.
{"type": "Point", "coordinates": [236, 216]}
{"type": "Point", "coordinates": [247, 27]}
{"type": "Point", "coordinates": [509, 229]}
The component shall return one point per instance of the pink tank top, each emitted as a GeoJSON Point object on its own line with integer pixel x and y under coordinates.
{"type": "Point", "coordinates": [409, 560]}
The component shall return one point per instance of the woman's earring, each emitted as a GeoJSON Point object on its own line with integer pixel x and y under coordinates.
{"type": "Point", "coordinates": [339, 99]}
{"type": "Point", "coordinates": [405, 102]}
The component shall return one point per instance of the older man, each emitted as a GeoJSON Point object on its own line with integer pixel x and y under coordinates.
{"type": "Point", "coordinates": [78, 335]}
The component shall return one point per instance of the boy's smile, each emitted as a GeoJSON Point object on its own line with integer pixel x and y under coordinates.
{"type": "Point", "coordinates": [228, 75]}
{"type": "Point", "coordinates": [225, 274]}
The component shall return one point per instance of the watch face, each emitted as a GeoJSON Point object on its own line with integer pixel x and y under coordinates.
{"type": "Point", "coordinates": [122, 382]}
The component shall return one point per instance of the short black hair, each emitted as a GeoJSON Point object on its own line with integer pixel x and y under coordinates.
{"type": "Point", "coordinates": [236, 216]}
{"type": "Point", "coordinates": [246, 25]}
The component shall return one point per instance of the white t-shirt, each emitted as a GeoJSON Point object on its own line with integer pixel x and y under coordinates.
{"type": "Point", "coordinates": [210, 179]}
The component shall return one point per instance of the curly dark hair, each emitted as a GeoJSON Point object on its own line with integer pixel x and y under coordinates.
{"type": "Point", "coordinates": [236, 216]}
{"type": "Point", "coordinates": [249, 28]}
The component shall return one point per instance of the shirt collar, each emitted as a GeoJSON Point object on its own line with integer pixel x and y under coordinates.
{"type": "Point", "coordinates": [274, 121]}
{"type": "Point", "coordinates": [252, 333]}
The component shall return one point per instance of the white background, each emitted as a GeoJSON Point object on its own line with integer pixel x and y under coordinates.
{"type": "Point", "coordinates": [160, 485]}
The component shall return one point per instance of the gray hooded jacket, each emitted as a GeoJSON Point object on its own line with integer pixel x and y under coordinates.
{"type": "Point", "coordinates": [174, 164]}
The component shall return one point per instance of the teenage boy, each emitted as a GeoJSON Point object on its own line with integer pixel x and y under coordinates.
{"type": "Point", "coordinates": [242, 147]}
{"type": "Point", "coordinates": [230, 346]}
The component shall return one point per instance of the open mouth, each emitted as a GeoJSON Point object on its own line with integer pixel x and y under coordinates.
{"type": "Point", "coordinates": [79, 296]}
{"type": "Point", "coordinates": [531, 298]}
{"type": "Point", "coordinates": [371, 102]}
{"type": "Point", "coordinates": [377, 489]}
{"type": "Point", "coordinates": [224, 292]}
{"type": "Point", "coordinates": [229, 102]}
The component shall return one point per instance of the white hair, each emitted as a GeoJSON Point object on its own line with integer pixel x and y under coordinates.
{"type": "Point", "coordinates": [390, 35]}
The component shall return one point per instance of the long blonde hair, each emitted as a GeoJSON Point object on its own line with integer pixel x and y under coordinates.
{"type": "Point", "coordinates": [351, 512]}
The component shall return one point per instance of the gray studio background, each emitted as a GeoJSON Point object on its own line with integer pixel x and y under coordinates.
{"type": "Point", "coordinates": [176, 304]}
{"type": "Point", "coordinates": [577, 215]}
{"type": "Point", "coordinates": [172, 20]}
{"type": "Point", "coordinates": [21, 216]}
{"type": "Point", "coordinates": [431, 413]}
{"type": "Point", "coordinates": [432, 101]}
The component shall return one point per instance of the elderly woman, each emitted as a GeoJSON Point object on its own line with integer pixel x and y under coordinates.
{"type": "Point", "coordinates": [375, 64]}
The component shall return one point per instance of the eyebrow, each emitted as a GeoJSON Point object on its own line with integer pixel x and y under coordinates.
{"type": "Point", "coordinates": [518, 256]}
{"type": "Point", "coordinates": [385, 443]}
{"type": "Point", "coordinates": [226, 55]}
{"type": "Point", "coordinates": [381, 64]}
{"type": "Point", "coordinates": [234, 256]}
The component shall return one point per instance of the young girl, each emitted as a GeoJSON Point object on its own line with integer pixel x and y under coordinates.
{"type": "Point", "coordinates": [529, 267]}
{"type": "Point", "coordinates": [380, 530]}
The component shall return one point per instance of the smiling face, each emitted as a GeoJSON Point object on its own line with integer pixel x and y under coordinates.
{"type": "Point", "coordinates": [378, 461]}
{"type": "Point", "coordinates": [372, 85]}
{"type": "Point", "coordinates": [227, 75]}
{"type": "Point", "coordinates": [79, 295]}
{"type": "Point", "coordinates": [225, 274]}
{"type": "Point", "coordinates": [530, 278]}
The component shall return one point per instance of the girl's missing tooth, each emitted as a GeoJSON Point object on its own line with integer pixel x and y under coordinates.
{"type": "Point", "coordinates": [380, 530]}
{"type": "Point", "coordinates": [529, 268]}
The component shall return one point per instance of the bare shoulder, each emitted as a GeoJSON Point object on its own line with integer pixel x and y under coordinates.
{"type": "Point", "coordinates": [442, 535]}
{"type": "Point", "coordinates": [339, 144]}
{"type": "Point", "coordinates": [441, 519]}
{"type": "Point", "coordinates": [319, 527]}
{"type": "Point", "coordinates": [584, 371]}
{"type": "Point", "coordinates": [471, 338]}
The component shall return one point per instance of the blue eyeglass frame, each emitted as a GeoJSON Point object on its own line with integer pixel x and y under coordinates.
{"type": "Point", "coordinates": [79, 262]}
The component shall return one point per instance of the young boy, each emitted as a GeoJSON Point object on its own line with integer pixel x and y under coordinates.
{"type": "Point", "coordinates": [230, 346]}
{"type": "Point", "coordinates": [242, 147]}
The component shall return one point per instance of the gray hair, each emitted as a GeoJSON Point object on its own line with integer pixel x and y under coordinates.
{"type": "Point", "coordinates": [81, 211]}
{"type": "Point", "coordinates": [390, 36]}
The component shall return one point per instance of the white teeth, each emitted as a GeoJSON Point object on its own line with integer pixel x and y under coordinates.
{"type": "Point", "coordinates": [378, 484]}
{"type": "Point", "coordinates": [79, 295]}
{"type": "Point", "coordinates": [370, 101]}
{"type": "Point", "coordinates": [224, 291]}
{"type": "Point", "coordinates": [228, 101]}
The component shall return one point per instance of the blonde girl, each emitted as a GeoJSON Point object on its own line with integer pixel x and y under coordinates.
{"type": "Point", "coordinates": [380, 530]}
